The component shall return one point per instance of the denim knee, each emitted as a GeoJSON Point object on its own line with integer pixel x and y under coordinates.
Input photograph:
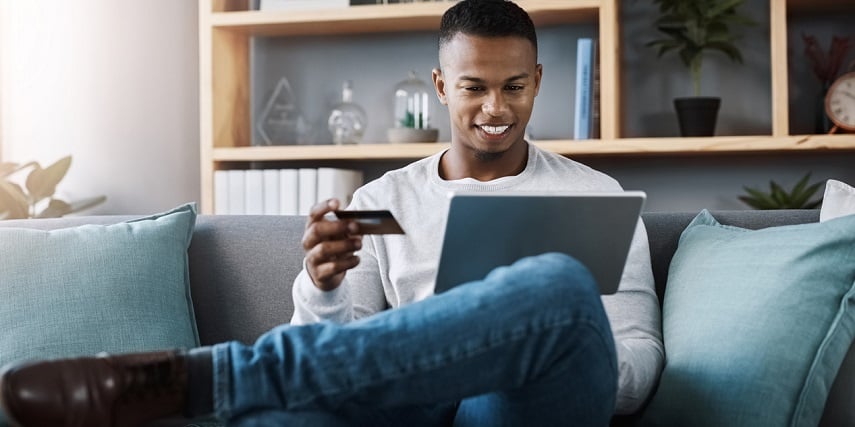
{"type": "Point", "coordinates": [556, 270]}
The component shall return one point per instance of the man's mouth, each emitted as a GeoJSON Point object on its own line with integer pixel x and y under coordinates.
{"type": "Point", "coordinates": [494, 130]}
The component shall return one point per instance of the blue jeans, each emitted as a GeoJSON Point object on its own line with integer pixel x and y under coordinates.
{"type": "Point", "coordinates": [530, 344]}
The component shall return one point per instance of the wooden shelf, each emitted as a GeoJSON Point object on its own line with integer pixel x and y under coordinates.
{"type": "Point", "coordinates": [403, 17]}
{"type": "Point", "coordinates": [624, 146]}
{"type": "Point", "coordinates": [226, 29]}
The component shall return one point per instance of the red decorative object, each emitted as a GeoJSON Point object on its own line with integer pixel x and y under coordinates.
{"type": "Point", "coordinates": [826, 65]}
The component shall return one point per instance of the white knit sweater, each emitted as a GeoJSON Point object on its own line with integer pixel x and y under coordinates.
{"type": "Point", "coordinates": [398, 269]}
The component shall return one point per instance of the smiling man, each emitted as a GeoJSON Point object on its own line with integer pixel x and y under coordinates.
{"type": "Point", "coordinates": [532, 343]}
{"type": "Point", "coordinates": [489, 83]}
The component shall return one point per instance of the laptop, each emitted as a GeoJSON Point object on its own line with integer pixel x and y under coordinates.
{"type": "Point", "coordinates": [487, 230]}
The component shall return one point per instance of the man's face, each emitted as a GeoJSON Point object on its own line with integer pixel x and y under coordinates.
{"type": "Point", "coordinates": [489, 85]}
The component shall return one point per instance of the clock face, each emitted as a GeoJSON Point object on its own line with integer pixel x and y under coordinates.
{"type": "Point", "coordinates": [840, 102]}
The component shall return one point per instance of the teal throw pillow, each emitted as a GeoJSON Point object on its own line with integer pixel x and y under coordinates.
{"type": "Point", "coordinates": [95, 288]}
{"type": "Point", "coordinates": [756, 324]}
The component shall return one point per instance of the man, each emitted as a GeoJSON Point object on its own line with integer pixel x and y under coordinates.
{"type": "Point", "coordinates": [531, 344]}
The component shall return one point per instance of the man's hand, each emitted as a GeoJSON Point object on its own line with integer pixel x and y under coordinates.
{"type": "Point", "coordinates": [329, 246]}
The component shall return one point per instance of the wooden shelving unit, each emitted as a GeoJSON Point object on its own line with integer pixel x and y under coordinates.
{"type": "Point", "coordinates": [226, 27]}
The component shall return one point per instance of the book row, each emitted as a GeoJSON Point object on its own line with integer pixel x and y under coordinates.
{"type": "Point", "coordinates": [281, 191]}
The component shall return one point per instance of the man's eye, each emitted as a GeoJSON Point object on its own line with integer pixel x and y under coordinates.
{"type": "Point", "coordinates": [514, 87]}
{"type": "Point", "coordinates": [474, 88]}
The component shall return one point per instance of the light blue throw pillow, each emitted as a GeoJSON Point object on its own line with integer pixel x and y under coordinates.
{"type": "Point", "coordinates": [96, 288]}
{"type": "Point", "coordinates": [756, 324]}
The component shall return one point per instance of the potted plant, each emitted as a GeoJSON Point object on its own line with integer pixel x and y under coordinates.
{"type": "Point", "coordinates": [691, 28]}
{"type": "Point", "coordinates": [799, 197]}
{"type": "Point", "coordinates": [35, 198]}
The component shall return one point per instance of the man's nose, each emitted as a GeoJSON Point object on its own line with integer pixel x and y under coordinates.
{"type": "Point", "coordinates": [494, 104]}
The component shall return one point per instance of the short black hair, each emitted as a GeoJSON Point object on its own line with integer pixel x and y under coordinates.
{"type": "Point", "coordinates": [487, 18]}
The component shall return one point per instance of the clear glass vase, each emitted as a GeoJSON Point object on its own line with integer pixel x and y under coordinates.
{"type": "Point", "coordinates": [347, 121]}
{"type": "Point", "coordinates": [412, 112]}
{"type": "Point", "coordinates": [412, 103]}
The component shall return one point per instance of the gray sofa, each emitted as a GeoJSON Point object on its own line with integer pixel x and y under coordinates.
{"type": "Point", "coordinates": [242, 267]}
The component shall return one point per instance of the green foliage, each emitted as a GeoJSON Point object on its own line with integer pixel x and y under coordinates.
{"type": "Point", "coordinates": [409, 121]}
{"type": "Point", "coordinates": [778, 198]}
{"type": "Point", "coordinates": [692, 27]}
{"type": "Point", "coordinates": [17, 202]}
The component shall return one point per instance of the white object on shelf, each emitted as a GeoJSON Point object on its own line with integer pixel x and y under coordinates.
{"type": "Point", "coordinates": [236, 192]}
{"type": "Point", "coordinates": [338, 184]}
{"type": "Point", "coordinates": [308, 178]}
{"type": "Point", "coordinates": [271, 191]}
{"type": "Point", "coordinates": [254, 192]}
{"type": "Point", "coordinates": [221, 192]}
{"type": "Point", "coordinates": [289, 192]}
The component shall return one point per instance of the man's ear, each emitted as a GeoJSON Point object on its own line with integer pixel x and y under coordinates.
{"type": "Point", "coordinates": [538, 74]}
{"type": "Point", "coordinates": [439, 85]}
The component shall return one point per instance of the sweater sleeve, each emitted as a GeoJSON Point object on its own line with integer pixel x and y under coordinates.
{"type": "Point", "coordinates": [635, 318]}
{"type": "Point", "coordinates": [359, 295]}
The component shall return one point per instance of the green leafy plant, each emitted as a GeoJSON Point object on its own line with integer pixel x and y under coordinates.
{"type": "Point", "coordinates": [692, 27]}
{"type": "Point", "coordinates": [799, 197]}
{"type": "Point", "coordinates": [35, 198]}
{"type": "Point", "coordinates": [409, 121]}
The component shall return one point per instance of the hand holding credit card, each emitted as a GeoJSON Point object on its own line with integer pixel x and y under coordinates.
{"type": "Point", "coordinates": [373, 221]}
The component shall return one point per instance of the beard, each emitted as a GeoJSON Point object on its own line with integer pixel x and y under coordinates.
{"type": "Point", "coordinates": [488, 156]}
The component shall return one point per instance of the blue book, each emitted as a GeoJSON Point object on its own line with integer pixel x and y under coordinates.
{"type": "Point", "coordinates": [584, 88]}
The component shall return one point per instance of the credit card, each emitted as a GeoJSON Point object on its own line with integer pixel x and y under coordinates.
{"type": "Point", "coordinates": [372, 222]}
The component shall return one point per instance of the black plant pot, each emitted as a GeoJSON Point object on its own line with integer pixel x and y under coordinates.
{"type": "Point", "coordinates": [697, 115]}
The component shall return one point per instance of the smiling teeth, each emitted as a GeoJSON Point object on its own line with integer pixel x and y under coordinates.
{"type": "Point", "coordinates": [495, 130]}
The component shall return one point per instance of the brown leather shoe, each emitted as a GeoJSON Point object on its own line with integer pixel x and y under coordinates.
{"type": "Point", "coordinates": [115, 391]}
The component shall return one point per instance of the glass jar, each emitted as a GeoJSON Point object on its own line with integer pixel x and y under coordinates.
{"type": "Point", "coordinates": [347, 121]}
{"type": "Point", "coordinates": [412, 107]}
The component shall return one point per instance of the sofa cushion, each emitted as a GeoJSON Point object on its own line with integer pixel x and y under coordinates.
{"type": "Point", "coordinates": [838, 200]}
{"type": "Point", "coordinates": [83, 290]}
{"type": "Point", "coordinates": [755, 323]}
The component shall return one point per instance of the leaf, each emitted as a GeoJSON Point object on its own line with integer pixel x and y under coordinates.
{"type": "Point", "coordinates": [41, 183]}
{"type": "Point", "coordinates": [13, 201]}
{"type": "Point", "coordinates": [728, 49]}
{"type": "Point", "coordinates": [758, 199]}
{"type": "Point", "coordinates": [779, 195]}
{"type": "Point", "coordinates": [84, 204]}
{"type": "Point", "coordinates": [808, 193]}
{"type": "Point", "coordinates": [721, 8]}
{"type": "Point", "coordinates": [800, 186]}
{"type": "Point", "coordinates": [6, 169]}
{"type": "Point", "coordinates": [814, 204]}
{"type": "Point", "coordinates": [55, 209]}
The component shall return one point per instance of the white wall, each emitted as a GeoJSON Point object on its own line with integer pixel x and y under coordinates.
{"type": "Point", "coordinates": [112, 83]}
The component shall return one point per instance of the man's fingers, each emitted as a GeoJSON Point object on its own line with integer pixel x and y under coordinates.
{"type": "Point", "coordinates": [322, 208]}
{"type": "Point", "coordinates": [332, 250]}
{"type": "Point", "coordinates": [327, 276]}
{"type": "Point", "coordinates": [322, 231]}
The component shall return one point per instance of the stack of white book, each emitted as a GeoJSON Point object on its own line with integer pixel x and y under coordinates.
{"type": "Point", "coordinates": [281, 191]}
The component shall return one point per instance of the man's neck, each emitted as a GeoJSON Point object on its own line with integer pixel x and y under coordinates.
{"type": "Point", "coordinates": [459, 162]}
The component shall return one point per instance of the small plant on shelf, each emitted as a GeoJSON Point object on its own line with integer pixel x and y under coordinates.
{"type": "Point", "coordinates": [35, 199]}
{"type": "Point", "coordinates": [799, 197]}
{"type": "Point", "coordinates": [692, 28]}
